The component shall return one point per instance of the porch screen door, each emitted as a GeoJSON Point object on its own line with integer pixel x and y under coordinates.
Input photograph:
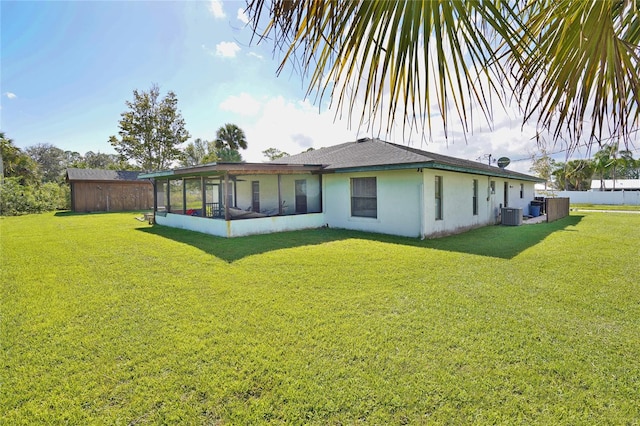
{"type": "Point", "coordinates": [301, 196]}
{"type": "Point", "coordinates": [255, 197]}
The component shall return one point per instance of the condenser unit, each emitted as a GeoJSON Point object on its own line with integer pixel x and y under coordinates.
{"type": "Point", "coordinates": [511, 216]}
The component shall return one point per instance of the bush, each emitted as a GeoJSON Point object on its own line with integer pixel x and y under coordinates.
{"type": "Point", "coordinates": [16, 199]}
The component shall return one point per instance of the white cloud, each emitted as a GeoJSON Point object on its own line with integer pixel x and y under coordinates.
{"type": "Point", "coordinates": [10, 95]}
{"type": "Point", "coordinates": [243, 104]}
{"type": "Point", "coordinates": [255, 55]}
{"type": "Point", "coordinates": [290, 126]}
{"type": "Point", "coordinates": [227, 49]}
{"type": "Point", "coordinates": [294, 126]}
{"type": "Point", "coordinates": [215, 7]}
{"type": "Point", "coordinates": [242, 16]}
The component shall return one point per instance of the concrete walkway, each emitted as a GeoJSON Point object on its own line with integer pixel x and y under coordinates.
{"type": "Point", "coordinates": [537, 219]}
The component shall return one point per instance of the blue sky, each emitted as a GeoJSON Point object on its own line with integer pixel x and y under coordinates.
{"type": "Point", "coordinates": [67, 69]}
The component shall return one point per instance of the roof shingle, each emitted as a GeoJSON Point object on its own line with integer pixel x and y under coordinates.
{"type": "Point", "coordinates": [375, 153]}
{"type": "Point", "coordinates": [101, 175]}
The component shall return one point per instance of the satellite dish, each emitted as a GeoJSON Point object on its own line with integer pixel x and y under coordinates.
{"type": "Point", "coordinates": [503, 162]}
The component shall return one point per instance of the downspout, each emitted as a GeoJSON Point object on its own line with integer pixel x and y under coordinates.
{"type": "Point", "coordinates": [155, 198]}
{"type": "Point", "coordinates": [203, 191]}
{"type": "Point", "coordinates": [421, 210]}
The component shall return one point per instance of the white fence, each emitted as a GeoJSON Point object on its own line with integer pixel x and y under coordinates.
{"type": "Point", "coordinates": [631, 198]}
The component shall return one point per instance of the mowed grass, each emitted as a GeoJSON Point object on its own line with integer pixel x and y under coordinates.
{"type": "Point", "coordinates": [107, 320]}
{"type": "Point", "coordinates": [626, 207]}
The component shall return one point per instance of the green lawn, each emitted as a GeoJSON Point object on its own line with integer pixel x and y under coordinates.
{"type": "Point", "coordinates": [605, 207]}
{"type": "Point", "coordinates": [107, 320]}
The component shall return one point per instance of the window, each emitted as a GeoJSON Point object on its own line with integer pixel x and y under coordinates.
{"type": "Point", "coordinates": [364, 198]}
{"type": "Point", "coordinates": [438, 197]}
{"type": "Point", "coordinates": [493, 186]}
{"type": "Point", "coordinates": [255, 196]}
{"type": "Point", "coordinates": [522, 190]}
{"type": "Point", "coordinates": [475, 197]}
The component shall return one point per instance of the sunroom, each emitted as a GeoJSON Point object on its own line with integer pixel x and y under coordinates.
{"type": "Point", "coordinates": [236, 199]}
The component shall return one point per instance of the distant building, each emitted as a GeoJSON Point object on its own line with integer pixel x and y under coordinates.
{"type": "Point", "coordinates": [95, 190]}
{"type": "Point", "coordinates": [615, 185]}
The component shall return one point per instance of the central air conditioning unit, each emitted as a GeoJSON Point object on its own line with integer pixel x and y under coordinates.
{"type": "Point", "coordinates": [512, 217]}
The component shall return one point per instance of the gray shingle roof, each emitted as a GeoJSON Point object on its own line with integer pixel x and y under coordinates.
{"type": "Point", "coordinates": [101, 175]}
{"type": "Point", "coordinates": [377, 154]}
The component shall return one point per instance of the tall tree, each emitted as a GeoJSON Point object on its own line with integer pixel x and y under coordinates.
{"type": "Point", "coordinates": [151, 130]}
{"type": "Point", "coordinates": [542, 165]}
{"type": "Point", "coordinates": [566, 62]}
{"type": "Point", "coordinates": [575, 175]}
{"type": "Point", "coordinates": [15, 163]}
{"type": "Point", "coordinates": [51, 160]}
{"type": "Point", "coordinates": [199, 152]}
{"type": "Point", "coordinates": [629, 168]}
{"type": "Point", "coordinates": [231, 136]}
{"type": "Point", "coordinates": [100, 160]}
{"type": "Point", "coordinates": [604, 161]}
{"type": "Point", "coordinates": [73, 159]}
{"type": "Point", "coordinates": [228, 155]}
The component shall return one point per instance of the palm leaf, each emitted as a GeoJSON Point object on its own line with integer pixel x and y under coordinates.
{"type": "Point", "coordinates": [572, 60]}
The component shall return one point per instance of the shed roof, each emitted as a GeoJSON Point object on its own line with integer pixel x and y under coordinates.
{"type": "Point", "coordinates": [375, 154]}
{"type": "Point", "coordinates": [74, 175]}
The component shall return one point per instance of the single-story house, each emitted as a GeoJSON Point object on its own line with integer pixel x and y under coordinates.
{"type": "Point", "coordinates": [97, 190]}
{"type": "Point", "coordinates": [369, 185]}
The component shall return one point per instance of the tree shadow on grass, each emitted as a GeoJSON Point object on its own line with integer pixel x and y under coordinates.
{"type": "Point", "coordinates": [503, 242]}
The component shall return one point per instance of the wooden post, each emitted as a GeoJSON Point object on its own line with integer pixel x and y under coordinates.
{"type": "Point", "coordinates": [279, 197]}
{"type": "Point", "coordinates": [227, 196]}
{"type": "Point", "coordinates": [203, 194]}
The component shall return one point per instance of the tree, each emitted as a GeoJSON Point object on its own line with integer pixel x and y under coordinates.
{"type": "Point", "coordinates": [228, 155]}
{"type": "Point", "coordinates": [574, 175]}
{"type": "Point", "coordinates": [565, 62]}
{"type": "Point", "coordinates": [274, 153]}
{"type": "Point", "coordinates": [542, 165]}
{"type": "Point", "coordinates": [629, 168]}
{"type": "Point", "coordinates": [230, 136]}
{"type": "Point", "coordinates": [151, 130]}
{"type": "Point", "coordinates": [18, 164]}
{"type": "Point", "coordinates": [199, 152]}
{"type": "Point", "coordinates": [51, 160]}
{"type": "Point", "coordinates": [100, 160]}
{"type": "Point", "coordinates": [73, 159]}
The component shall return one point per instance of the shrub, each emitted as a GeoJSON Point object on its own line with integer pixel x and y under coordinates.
{"type": "Point", "coordinates": [17, 199]}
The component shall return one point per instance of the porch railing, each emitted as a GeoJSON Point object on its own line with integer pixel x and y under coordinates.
{"type": "Point", "coordinates": [214, 210]}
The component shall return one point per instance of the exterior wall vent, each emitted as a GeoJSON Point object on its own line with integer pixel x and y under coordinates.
{"type": "Point", "coordinates": [511, 216]}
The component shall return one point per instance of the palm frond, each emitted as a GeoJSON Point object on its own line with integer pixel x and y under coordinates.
{"type": "Point", "coordinates": [394, 58]}
{"type": "Point", "coordinates": [584, 68]}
